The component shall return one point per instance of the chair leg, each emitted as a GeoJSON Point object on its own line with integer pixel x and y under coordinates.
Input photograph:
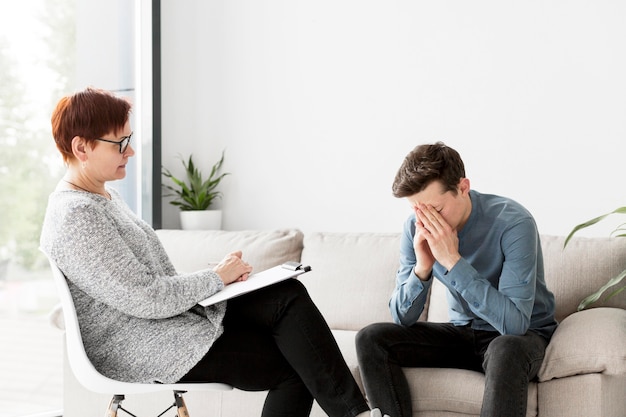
{"type": "Point", "coordinates": [179, 403]}
{"type": "Point", "coordinates": [181, 408]}
{"type": "Point", "coordinates": [114, 405]}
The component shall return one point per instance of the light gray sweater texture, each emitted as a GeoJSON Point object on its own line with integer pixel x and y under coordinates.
{"type": "Point", "coordinates": [139, 318]}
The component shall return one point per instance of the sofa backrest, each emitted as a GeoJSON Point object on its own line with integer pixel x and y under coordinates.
{"type": "Point", "coordinates": [361, 268]}
{"type": "Point", "coordinates": [572, 274]}
{"type": "Point", "coordinates": [353, 276]}
{"type": "Point", "coordinates": [354, 273]}
{"type": "Point", "coordinates": [192, 250]}
{"type": "Point", "coordinates": [585, 265]}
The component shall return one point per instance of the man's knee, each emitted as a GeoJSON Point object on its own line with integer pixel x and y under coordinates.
{"type": "Point", "coordinates": [506, 351]}
{"type": "Point", "coordinates": [505, 345]}
{"type": "Point", "coordinates": [371, 339]}
{"type": "Point", "coordinates": [369, 335]}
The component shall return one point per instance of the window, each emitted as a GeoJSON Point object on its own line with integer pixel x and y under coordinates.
{"type": "Point", "coordinates": [47, 51]}
{"type": "Point", "coordinates": [36, 65]}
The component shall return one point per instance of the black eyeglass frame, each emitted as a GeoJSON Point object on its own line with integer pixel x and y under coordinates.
{"type": "Point", "coordinates": [120, 143]}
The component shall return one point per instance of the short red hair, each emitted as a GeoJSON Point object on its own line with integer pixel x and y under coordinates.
{"type": "Point", "coordinates": [90, 114]}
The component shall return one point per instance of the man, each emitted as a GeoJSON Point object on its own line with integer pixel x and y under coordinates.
{"type": "Point", "coordinates": [485, 249]}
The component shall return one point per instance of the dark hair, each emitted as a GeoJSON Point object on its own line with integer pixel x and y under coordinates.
{"type": "Point", "coordinates": [90, 114]}
{"type": "Point", "coordinates": [425, 164]}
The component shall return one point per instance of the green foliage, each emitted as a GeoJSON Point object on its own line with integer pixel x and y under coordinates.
{"type": "Point", "coordinates": [619, 231]}
{"type": "Point", "coordinates": [193, 192]}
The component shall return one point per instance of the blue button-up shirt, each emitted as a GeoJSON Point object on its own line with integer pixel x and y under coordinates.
{"type": "Point", "coordinates": [498, 285]}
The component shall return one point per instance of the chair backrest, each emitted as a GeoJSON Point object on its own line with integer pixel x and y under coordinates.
{"type": "Point", "coordinates": [81, 366]}
{"type": "Point", "coordinates": [84, 371]}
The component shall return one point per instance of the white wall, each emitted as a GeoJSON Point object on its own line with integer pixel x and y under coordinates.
{"type": "Point", "coordinates": [318, 102]}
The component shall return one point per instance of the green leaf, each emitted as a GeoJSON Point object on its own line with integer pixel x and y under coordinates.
{"type": "Point", "coordinates": [619, 231]}
{"type": "Point", "coordinates": [620, 210]}
{"type": "Point", "coordinates": [614, 293]}
{"type": "Point", "coordinates": [194, 193]}
{"type": "Point", "coordinates": [596, 295]}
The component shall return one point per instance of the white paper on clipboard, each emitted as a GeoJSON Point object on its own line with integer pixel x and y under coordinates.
{"type": "Point", "coordinates": [255, 282]}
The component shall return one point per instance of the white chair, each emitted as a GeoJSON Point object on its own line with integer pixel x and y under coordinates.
{"type": "Point", "coordinates": [90, 378]}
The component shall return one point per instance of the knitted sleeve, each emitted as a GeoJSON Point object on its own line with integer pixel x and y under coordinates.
{"type": "Point", "coordinates": [110, 256]}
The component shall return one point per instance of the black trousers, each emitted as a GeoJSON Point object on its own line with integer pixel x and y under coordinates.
{"type": "Point", "coordinates": [276, 339]}
{"type": "Point", "coordinates": [508, 362]}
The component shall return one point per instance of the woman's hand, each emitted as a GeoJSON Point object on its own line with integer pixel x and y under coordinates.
{"type": "Point", "coordinates": [232, 268]}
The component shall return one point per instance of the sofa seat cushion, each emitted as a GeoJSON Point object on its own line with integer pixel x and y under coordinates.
{"type": "Point", "coordinates": [438, 391]}
{"type": "Point", "coordinates": [345, 340]}
{"type": "Point", "coordinates": [434, 391]}
{"type": "Point", "coordinates": [589, 395]}
{"type": "Point", "coordinates": [441, 391]}
{"type": "Point", "coordinates": [589, 341]}
{"type": "Point", "coordinates": [193, 250]}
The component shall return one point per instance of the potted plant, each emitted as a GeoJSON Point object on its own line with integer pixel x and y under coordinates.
{"type": "Point", "coordinates": [620, 231]}
{"type": "Point", "coordinates": [194, 195]}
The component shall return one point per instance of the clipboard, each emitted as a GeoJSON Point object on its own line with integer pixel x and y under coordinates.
{"type": "Point", "coordinates": [257, 281]}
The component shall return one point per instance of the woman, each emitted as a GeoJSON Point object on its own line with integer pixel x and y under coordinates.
{"type": "Point", "coordinates": [139, 318]}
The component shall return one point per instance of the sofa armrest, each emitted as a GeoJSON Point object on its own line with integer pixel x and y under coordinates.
{"type": "Point", "coordinates": [589, 341]}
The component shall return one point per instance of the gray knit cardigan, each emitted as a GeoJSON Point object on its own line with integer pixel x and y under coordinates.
{"type": "Point", "coordinates": [139, 319]}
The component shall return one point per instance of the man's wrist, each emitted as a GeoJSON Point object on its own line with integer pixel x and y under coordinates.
{"type": "Point", "coordinates": [422, 275]}
{"type": "Point", "coordinates": [450, 263]}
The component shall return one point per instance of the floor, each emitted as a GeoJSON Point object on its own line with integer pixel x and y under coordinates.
{"type": "Point", "coordinates": [31, 350]}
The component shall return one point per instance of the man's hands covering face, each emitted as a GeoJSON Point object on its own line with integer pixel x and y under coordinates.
{"type": "Point", "coordinates": [434, 240]}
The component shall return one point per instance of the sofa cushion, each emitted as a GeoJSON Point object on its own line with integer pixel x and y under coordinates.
{"type": "Point", "coordinates": [438, 303]}
{"type": "Point", "coordinates": [453, 392]}
{"type": "Point", "coordinates": [589, 341]}
{"type": "Point", "coordinates": [353, 276]}
{"type": "Point", "coordinates": [345, 341]}
{"type": "Point", "coordinates": [586, 264]}
{"type": "Point", "coordinates": [192, 250]}
{"type": "Point", "coordinates": [589, 395]}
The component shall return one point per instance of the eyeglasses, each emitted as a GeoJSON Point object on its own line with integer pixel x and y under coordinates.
{"type": "Point", "coordinates": [123, 143]}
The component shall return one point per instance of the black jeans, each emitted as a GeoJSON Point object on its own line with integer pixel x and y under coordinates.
{"type": "Point", "coordinates": [276, 339]}
{"type": "Point", "coordinates": [508, 362]}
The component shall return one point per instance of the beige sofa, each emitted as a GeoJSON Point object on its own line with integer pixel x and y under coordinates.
{"type": "Point", "coordinates": [584, 373]}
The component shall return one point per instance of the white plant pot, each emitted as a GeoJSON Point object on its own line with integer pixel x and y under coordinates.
{"type": "Point", "coordinates": [201, 220]}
